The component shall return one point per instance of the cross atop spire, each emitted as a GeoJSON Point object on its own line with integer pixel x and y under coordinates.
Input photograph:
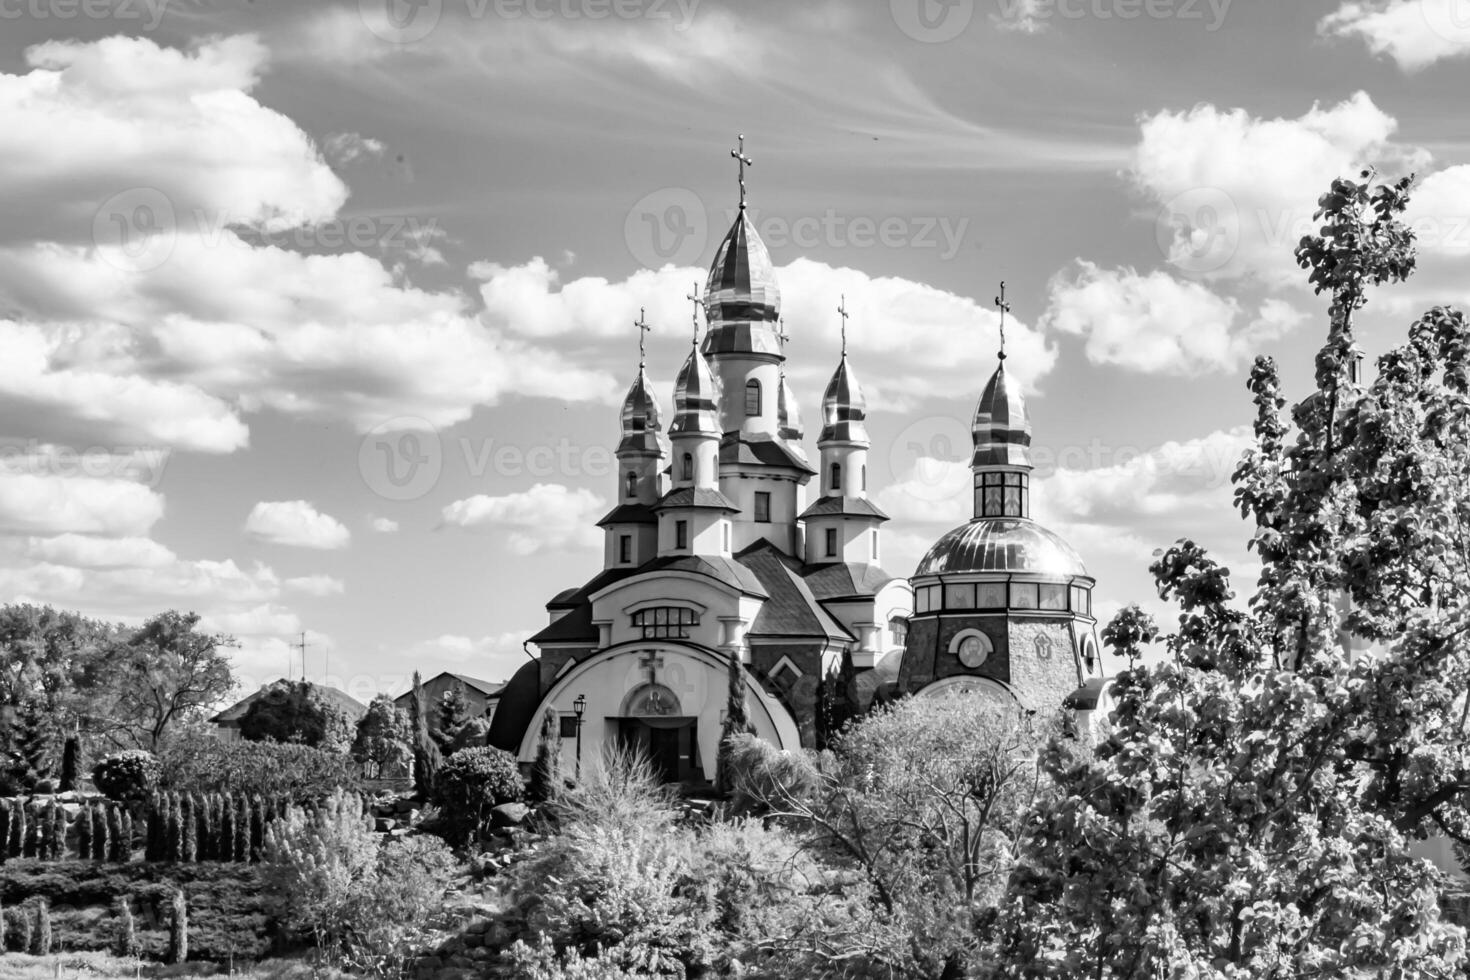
{"type": "Point", "coordinates": [1004, 307]}
{"type": "Point", "coordinates": [744, 162]}
{"type": "Point", "coordinates": [694, 298]}
{"type": "Point", "coordinates": [643, 328]}
{"type": "Point", "coordinates": [781, 335]}
{"type": "Point", "coordinates": [842, 311]}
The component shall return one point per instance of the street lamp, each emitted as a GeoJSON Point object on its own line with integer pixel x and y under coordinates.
{"type": "Point", "coordinates": [579, 708]}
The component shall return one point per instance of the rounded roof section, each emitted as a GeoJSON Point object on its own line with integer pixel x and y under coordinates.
{"type": "Point", "coordinates": [788, 415]}
{"type": "Point", "coordinates": [696, 398]}
{"type": "Point", "coordinates": [1002, 427]}
{"type": "Point", "coordinates": [844, 408]}
{"type": "Point", "coordinates": [640, 409]}
{"type": "Point", "coordinates": [1002, 544]}
{"type": "Point", "coordinates": [742, 281]}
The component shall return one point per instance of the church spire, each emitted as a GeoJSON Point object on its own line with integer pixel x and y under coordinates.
{"type": "Point", "coordinates": [744, 161]}
{"type": "Point", "coordinates": [1002, 440]}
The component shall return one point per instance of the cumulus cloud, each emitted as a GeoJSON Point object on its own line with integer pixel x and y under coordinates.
{"type": "Point", "coordinates": [1414, 33]}
{"type": "Point", "coordinates": [1155, 323]}
{"type": "Point", "coordinates": [927, 341]}
{"type": "Point", "coordinates": [547, 516]}
{"type": "Point", "coordinates": [298, 524]}
{"type": "Point", "coordinates": [1235, 192]}
{"type": "Point", "coordinates": [83, 551]}
{"type": "Point", "coordinates": [49, 504]}
{"type": "Point", "coordinates": [494, 657]}
{"type": "Point", "coordinates": [315, 585]}
{"type": "Point", "coordinates": [383, 525]}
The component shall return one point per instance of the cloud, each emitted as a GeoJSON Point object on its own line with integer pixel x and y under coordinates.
{"type": "Point", "coordinates": [47, 504]}
{"type": "Point", "coordinates": [1414, 33]}
{"type": "Point", "coordinates": [383, 525]}
{"type": "Point", "coordinates": [547, 516]}
{"type": "Point", "coordinates": [1156, 324]}
{"type": "Point", "coordinates": [82, 551]}
{"type": "Point", "coordinates": [93, 120]}
{"type": "Point", "coordinates": [925, 339]}
{"type": "Point", "coordinates": [298, 524]}
{"type": "Point", "coordinates": [345, 148]}
{"type": "Point", "coordinates": [315, 585]}
{"type": "Point", "coordinates": [494, 658]}
{"type": "Point", "coordinates": [1235, 192]}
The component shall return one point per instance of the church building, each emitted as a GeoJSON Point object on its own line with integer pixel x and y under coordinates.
{"type": "Point", "coordinates": [727, 542]}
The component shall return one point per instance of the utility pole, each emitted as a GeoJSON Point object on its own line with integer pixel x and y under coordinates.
{"type": "Point", "coordinates": [302, 645]}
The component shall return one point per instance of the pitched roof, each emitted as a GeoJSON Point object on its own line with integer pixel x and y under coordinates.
{"type": "Point", "coordinates": [790, 608]}
{"type": "Point", "coordinates": [487, 688]}
{"type": "Point", "coordinates": [736, 448]}
{"type": "Point", "coordinates": [629, 514]}
{"type": "Point", "coordinates": [843, 580]}
{"type": "Point", "coordinates": [696, 497]}
{"type": "Point", "coordinates": [843, 507]}
{"type": "Point", "coordinates": [340, 699]}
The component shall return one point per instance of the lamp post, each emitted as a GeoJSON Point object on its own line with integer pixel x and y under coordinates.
{"type": "Point", "coordinates": [579, 708]}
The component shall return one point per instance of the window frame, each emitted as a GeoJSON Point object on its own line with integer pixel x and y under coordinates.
{"type": "Point", "coordinates": [681, 535]}
{"type": "Point", "coordinates": [753, 386]}
{"type": "Point", "coordinates": [829, 539]}
{"type": "Point", "coordinates": [762, 506]}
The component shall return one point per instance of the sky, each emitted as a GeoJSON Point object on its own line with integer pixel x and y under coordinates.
{"type": "Point", "coordinates": [316, 316]}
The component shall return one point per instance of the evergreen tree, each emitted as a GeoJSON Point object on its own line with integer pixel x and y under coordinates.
{"type": "Point", "coordinates": [57, 849]}
{"type": "Point", "coordinates": [32, 829]}
{"type": "Point", "coordinates": [737, 721]}
{"type": "Point", "coordinates": [17, 827]}
{"type": "Point", "coordinates": [43, 928]}
{"type": "Point", "coordinates": [178, 929]}
{"type": "Point", "coordinates": [71, 763]}
{"type": "Point", "coordinates": [451, 712]}
{"type": "Point", "coordinates": [175, 839]}
{"type": "Point", "coordinates": [85, 848]}
{"type": "Point", "coordinates": [189, 826]}
{"type": "Point", "coordinates": [122, 834]}
{"type": "Point", "coordinates": [225, 834]}
{"type": "Point", "coordinates": [126, 944]}
{"type": "Point", "coordinates": [4, 937]}
{"type": "Point", "coordinates": [546, 773]}
{"type": "Point", "coordinates": [26, 929]}
{"type": "Point", "coordinates": [426, 756]}
{"type": "Point", "coordinates": [4, 829]}
{"type": "Point", "coordinates": [33, 745]}
{"type": "Point", "coordinates": [242, 828]}
{"type": "Point", "coordinates": [257, 827]}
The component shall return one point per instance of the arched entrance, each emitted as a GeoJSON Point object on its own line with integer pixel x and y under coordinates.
{"type": "Point", "coordinates": [653, 723]}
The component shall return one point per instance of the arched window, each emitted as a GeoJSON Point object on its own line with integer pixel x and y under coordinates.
{"type": "Point", "coordinates": [835, 481]}
{"type": "Point", "coordinates": [689, 466]}
{"type": "Point", "coordinates": [630, 484]}
{"type": "Point", "coordinates": [752, 398]}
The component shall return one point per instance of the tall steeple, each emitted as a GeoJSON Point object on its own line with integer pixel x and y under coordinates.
{"type": "Point", "coordinates": [694, 515]}
{"type": "Point", "coordinates": [631, 526]}
{"type": "Point", "coordinates": [842, 525]}
{"type": "Point", "coordinates": [1001, 433]}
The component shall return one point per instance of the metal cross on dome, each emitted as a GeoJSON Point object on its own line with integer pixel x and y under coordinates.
{"type": "Point", "coordinates": [693, 297]}
{"type": "Point", "coordinates": [643, 330]}
{"type": "Point", "coordinates": [744, 162]}
{"type": "Point", "coordinates": [781, 335]}
{"type": "Point", "coordinates": [1004, 307]}
{"type": "Point", "coordinates": [842, 311]}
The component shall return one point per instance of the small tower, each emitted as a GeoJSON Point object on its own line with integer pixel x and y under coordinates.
{"type": "Point", "coordinates": [842, 525]}
{"type": "Point", "coordinates": [694, 517]}
{"type": "Point", "coordinates": [1002, 605]}
{"type": "Point", "coordinates": [631, 527]}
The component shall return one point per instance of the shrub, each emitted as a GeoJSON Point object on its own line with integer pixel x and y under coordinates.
{"type": "Point", "coordinates": [760, 773]}
{"type": "Point", "coordinates": [297, 712]}
{"type": "Point", "coordinates": [472, 782]}
{"type": "Point", "coordinates": [126, 930]}
{"type": "Point", "coordinates": [362, 905]}
{"type": "Point", "coordinates": [43, 928]}
{"type": "Point", "coordinates": [213, 765]}
{"type": "Point", "coordinates": [178, 928]}
{"type": "Point", "coordinates": [129, 776]}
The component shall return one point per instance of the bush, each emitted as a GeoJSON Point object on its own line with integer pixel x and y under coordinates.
{"type": "Point", "coordinates": [214, 765]}
{"type": "Point", "coordinates": [362, 905]}
{"type": "Point", "coordinates": [472, 782]}
{"type": "Point", "coordinates": [129, 776]}
{"type": "Point", "coordinates": [760, 774]}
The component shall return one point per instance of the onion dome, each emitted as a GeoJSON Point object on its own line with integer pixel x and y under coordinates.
{"type": "Point", "coordinates": [741, 299]}
{"type": "Point", "coordinates": [641, 419]}
{"type": "Point", "coordinates": [788, 416]}
{"type": "Point", "coordinates": [1002, 544]}
{"type": "Point", "coordinates": [1002, 429]}
{"type": "Point", "coordinates": [696, 399]}
{"type": "Point", "coordinates": [844, 409]}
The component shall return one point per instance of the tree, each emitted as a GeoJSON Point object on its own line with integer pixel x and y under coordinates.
{"type": "Point", "coordinates": [426, 755]}
{"type": "Point", "coordinates": [299, 712]}
{"type": "Point", "coordinates": [1250, 808]}
{"type": "Point", "coordinates": [382, 743]}
{"type": "Point", "coordinates": [163, 674]}
{"type": "Point", "coordinates": [737, 721]}
{"type": "Point", "coordinates": [472, 782]}
{"type": "Point", "coordinates": [451, 711]}
{"type": "Point", "coordinates": [546, 772]}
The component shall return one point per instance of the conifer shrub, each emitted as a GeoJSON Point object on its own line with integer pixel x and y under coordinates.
{"type": "Point", "coordinates": [129, 776]}
{"type": "Point", "coordinates": [43, 929]}
{"type": "Point", "coordinates": [125, 930]}
{"type": "Point", "coordinates": [474, 781]}
{"type": "Point", "coordinates": [178, 928]}
{"type": "Point", "coordinates": [300, 772]}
